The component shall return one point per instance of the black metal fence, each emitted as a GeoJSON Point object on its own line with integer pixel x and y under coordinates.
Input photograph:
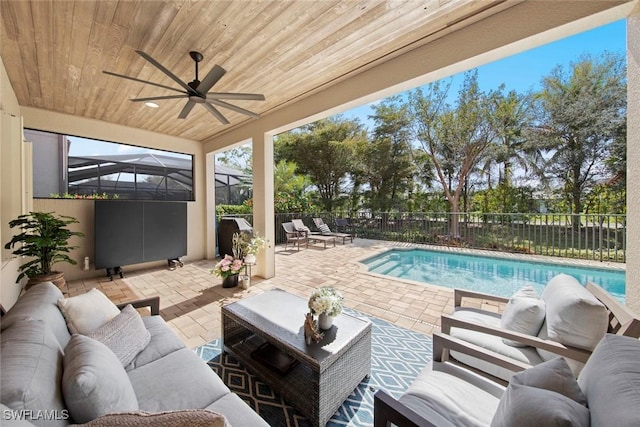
{"type": "Point", "coordinates": [585, 236]}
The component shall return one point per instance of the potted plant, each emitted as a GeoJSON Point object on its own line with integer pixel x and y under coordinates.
{"type": "Point", "coordinates": [44, 239]}
{"type": "Point", "coordinates": [326, 303]}
{"type": "Point", "coordinates": [252, 247]}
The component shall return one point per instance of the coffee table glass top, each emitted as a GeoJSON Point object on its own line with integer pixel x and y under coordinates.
{"type": "Point", "coordinates": [281, 315]}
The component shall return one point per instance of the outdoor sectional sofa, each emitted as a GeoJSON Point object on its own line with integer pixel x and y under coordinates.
{"type": "Point", "coordinates": [164, 376]}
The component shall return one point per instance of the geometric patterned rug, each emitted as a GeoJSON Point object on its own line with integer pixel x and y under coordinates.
{"type": "Point", "coordinates": [397, 356]}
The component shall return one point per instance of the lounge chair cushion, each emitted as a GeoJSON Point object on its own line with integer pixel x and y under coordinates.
{"type": "Point", "coordinates": [525, 406]}
{"type": "Point", "coordinates": [611, 382]}
{"type": "Point", "coordinates": [324, 229]}
{"type": "Point", "coordinates": [574, 317]}
{"type": "Point", "coordinates": [523, 313]}
{"type": "Point", "coordinates": [87, 312]}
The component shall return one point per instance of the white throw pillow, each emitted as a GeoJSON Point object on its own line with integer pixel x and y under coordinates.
{"type": "Point", "coordinates": [574, 316]}
{"type": "Point", "coordinates": [324, 229]}
{"type": "Point", "coordinates": [524, 313]}
{"type": "Point", "coordinates": [87, 312]}
{"type": "Point", "coordinates": [125, 335]}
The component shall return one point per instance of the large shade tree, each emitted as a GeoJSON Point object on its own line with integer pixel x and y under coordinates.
{"type": "Point", "coordinates": [582, 112]}
{"type": "Point", "coordinates": [386, 159]}
{"type": "Point", "coordinates": [454, 137]}
{"type": "Point", "coordinates": [322, 150]}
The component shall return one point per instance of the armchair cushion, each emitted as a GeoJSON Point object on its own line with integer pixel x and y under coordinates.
{"type": "Point", "coordinates": [574, 317]}
{"type": "Point", "coordinates": [523, 313]}
{"type": "Point", "coordinates": [611, 382]}
{"type": "Point", "coordinates": [525, 406]}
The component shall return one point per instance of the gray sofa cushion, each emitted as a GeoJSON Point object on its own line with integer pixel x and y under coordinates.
{"type": "Point", "coordinates": [94, 382]}
{"type": "Point", "coordinates": [524, 313]}
{"type": "Point", "coordinates": [524, 406]}
{"type": "Point", "coordinates": [31, 371]}
{"type": "Point", "coordinates": [125, 335]}
{"type": "Point", "coordinates": [611, 381]}
{"type": "Point", "coordinates": [237, 412]}
{"type": "Point", "coordinates": [163, 341]}
{"type": "Point", "coordinates": [179, 380]}
{"type": "Point", "coordinates": [40, 302]}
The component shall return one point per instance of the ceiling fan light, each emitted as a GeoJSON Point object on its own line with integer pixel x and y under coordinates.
{"type": "Point", "coordinates": [151, 104]}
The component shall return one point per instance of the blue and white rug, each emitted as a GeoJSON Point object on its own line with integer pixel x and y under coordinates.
{"type": "Point", "coordinates": [397, 356]}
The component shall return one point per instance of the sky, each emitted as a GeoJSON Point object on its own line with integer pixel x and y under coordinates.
{"type": "Point", "coordinates": [524, 71]}
{"type": "Point", "coordinates": [520, 72]}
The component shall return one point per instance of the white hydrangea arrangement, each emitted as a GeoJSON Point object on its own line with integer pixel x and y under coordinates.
{"type": "Point", "coordinates": [327, 301]}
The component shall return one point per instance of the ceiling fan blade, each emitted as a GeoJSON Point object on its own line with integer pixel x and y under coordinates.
{"type": "Point", "coordinates": [158, 98]}
{"type": "Point", "coordinates": [216, 113]}
{"type": "Point", "coordinates": [160, 67]}
{"type": "Point", "coordinates": [232, 95]}
{"type": "Point", "coordinates": [142, 81]}
{"type": "Point", "coordinates": [234, 108]}
{"type": "Point", "coordinates": [186, 110]}
{"type": "Point", "coordinates": [211, 79]}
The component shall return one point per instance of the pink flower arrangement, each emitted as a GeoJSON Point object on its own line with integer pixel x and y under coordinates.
{"type": "Point", "coordinates": [228, 266]}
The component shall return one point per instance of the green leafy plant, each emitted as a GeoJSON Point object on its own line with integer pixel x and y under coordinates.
{"type": "Point", "coordinates": [45, 238]}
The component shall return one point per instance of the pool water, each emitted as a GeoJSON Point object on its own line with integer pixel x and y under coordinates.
{"type": "Point", "coordinates": [495, 276]}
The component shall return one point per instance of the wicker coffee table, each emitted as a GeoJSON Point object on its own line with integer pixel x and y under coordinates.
{"type": "Point", "coordinates": [320, 376]}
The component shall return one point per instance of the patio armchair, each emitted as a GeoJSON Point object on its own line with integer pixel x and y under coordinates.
{"type": "Point", "coordinates": [448, 394]}
{"type": "Point", "coordinates": [294, 236]}
{"type": "Point", "coordinates": [324, 229]}
{"type": "Point", "coordinates": [572, 320]}
{"type": "Point", "coordinates": [343, 225]}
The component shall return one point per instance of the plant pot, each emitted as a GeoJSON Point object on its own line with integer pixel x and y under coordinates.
{"type": "Point", "coordinates": [325, 322]}
{"type": "Point", "coordinates": [56, 277]}
{"type": "Point", "coordinates": [250, 259]}
{"type": "Point", "coordinates": [230, 281]}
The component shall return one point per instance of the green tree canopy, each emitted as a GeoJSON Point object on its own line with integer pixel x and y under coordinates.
{"type": "Point", "coordinates": [582, 112]}
{"type": "Point", "coordinates": [323, 150]}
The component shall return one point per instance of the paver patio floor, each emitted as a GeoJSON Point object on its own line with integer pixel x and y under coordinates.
{"type": "Point", "coordinates": [191, 297]}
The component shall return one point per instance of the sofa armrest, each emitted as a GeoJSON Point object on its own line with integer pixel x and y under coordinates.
{"type": "Point", "coordinates": [574, 353]}
{"type": "Point", "coordinates": [387, 410]}
{"type": "Point", "coordinates": [152, 302]}
{"type": "Point", "coordinates": [458, 294]}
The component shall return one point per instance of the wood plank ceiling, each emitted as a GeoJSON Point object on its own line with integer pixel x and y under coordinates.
{"type": "Point", "coordinates": [55, 51]}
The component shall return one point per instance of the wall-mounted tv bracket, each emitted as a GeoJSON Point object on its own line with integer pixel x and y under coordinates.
{"type": "Point", "coordinates": [116, 270]}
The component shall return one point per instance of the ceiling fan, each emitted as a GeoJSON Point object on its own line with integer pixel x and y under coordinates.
{"type": "Point", "coordinates": [196, 91]}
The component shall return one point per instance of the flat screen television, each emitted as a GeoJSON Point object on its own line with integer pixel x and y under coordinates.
{"type": "Point", "coordinates": [133, 232]}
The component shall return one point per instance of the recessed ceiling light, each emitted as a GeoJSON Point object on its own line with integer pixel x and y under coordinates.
{"type": "Point", "coordinates": [151, 104]}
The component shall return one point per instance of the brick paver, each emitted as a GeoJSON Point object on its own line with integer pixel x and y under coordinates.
{"type": "Point", "coordinates": [191, 297]}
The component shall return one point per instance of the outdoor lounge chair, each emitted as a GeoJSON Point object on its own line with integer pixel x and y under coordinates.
{"type": "Point", "coordinates": [573, 320]}
{"type": "Point", "coordinates": [447, 394]}
{"type": "Point", "coordinates": [326, 231]}
{"type": "Point", "coordinates": [294, 236]}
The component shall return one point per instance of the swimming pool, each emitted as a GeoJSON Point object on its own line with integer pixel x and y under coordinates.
{"type": "Point", "coordinates": [491, 275]}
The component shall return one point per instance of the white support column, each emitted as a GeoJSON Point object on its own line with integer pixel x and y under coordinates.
{"type": "Point", "coordinates": [633, 160]}
{"type": "Point", "coordinates": [210, 214]}
{"type": "Point", "coordinates": [263, 209]}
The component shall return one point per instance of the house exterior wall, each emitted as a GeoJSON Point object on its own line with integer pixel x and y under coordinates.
{"type": "Point", "coordinates": [11, 195]}
{"type": "Point", "coordinates": [633, 160]}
